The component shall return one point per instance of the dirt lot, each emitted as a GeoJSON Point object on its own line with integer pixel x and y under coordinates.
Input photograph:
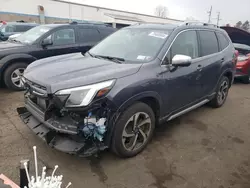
{"type": "Point", "coordinates": [207, 148]}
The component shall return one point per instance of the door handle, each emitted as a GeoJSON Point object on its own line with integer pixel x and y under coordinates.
{"type": "Point", "coordinates": [199, 68]}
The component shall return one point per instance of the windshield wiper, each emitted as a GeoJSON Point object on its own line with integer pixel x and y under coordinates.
{"type": "Point", "coordinates": [114, 59]}
{"type": "Point", "coordinates": [91, 55]}
{"type": "Point", "coordinates": [14, 40]}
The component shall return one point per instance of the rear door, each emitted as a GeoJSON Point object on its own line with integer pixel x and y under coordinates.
{"type": "Point", "coordinates": [87, 36]}
{"type": "Point", "coordinates": [210, 61]}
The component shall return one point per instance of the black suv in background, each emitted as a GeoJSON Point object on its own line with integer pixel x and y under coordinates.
{"type": "Point", "coordinates": [135, 78]}
{"type": "Point", "coordinates": [10, 28]}
{"type": "Point", "coordinates": [46, 41]}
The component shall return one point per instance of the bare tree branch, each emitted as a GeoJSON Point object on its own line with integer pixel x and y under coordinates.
{"type": "Point", "coordinates": [161, 11]}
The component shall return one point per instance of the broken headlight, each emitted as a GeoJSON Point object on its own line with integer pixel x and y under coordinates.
{"type": "Point", "coordinates": [82, 96]}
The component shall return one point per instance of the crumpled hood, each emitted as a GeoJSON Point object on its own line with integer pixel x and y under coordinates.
{"type": "Point", "coordinates": [72, 70]}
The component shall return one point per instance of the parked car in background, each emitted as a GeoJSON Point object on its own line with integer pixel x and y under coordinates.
{"type": "Point", "coordinates": [10, 28]}
{"type": "Point", "coordinates": [46, 41]}
{"type": "Point", "coordinates": [243, 64]}
{"type": "Point", "coordinates": [137, 77]}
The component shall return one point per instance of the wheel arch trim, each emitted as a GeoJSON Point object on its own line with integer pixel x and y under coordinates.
{"type": "Point", "coordinates": [8, 60]}
{"type": "Point", "coordinates": [125, 105]}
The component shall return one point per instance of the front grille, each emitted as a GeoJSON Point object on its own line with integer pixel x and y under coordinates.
{"type": "Point", "coordinates": [35, 89]}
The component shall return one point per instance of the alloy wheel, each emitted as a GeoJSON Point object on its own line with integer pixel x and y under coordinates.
{"type": "Point", "coordinates": [222, 93]}
{"type": "Point", "coordinates": [16, 77]}
{"type": "Point", "coordinates": [136, 131]}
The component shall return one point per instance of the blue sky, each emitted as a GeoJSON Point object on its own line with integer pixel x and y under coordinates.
{"type": "Point", "coordinates": [231, 10]}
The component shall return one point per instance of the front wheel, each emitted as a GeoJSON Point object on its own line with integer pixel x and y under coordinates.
{"type": "Point", "coordinates": [12, 76]}
{"type": "Point", "coordinates": [133, 130]}
{"type": "Point", "coordinates": [221, 93]}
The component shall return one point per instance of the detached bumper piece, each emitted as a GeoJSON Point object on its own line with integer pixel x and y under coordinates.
{"type": "Point", "coordinates": [63, 142]}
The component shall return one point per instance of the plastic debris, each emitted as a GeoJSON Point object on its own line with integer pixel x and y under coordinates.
{"type": "Point", "coordinates": [43, 181]}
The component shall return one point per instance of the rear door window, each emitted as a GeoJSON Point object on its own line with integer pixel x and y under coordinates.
{"type": "Point", "coordinates": [208, 43]}
{"type": "Point", "coordinates": [106, 32]}
{"type": "Point", "coordinates": [23, 28]}
{"type": "Point", "coordinates": [88, 35]}
{"type": "Point", "coordinates": [8, 29]}
{"type": "Point", "coordinates": [223, 40]}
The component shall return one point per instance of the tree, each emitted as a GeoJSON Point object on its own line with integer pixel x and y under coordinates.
{"type": "Point", "coordinates": [161, 11]}
{"type": "Point", "coordinates": [246, 25]}
{"type": "Point", "coordinates": [238, 24]}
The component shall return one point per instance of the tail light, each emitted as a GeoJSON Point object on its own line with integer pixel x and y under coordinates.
{"type": "Point", "coordinates": [3, 22]}
{"type": "Point", "coordinates": [236, 55]}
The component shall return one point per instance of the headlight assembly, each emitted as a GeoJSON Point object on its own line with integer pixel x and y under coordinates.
{"type": "Point", "coordinates": [82, 96]}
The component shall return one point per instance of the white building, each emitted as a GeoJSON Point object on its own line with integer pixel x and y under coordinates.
{"type": "Point", "coordinates": [50, 11]}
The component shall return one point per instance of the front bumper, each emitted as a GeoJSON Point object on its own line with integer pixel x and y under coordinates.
{"type": "Point", "coordinates": [240, 73]}
{"type": "Point", "coordinates": [60, 125]}
{"type": "Point", "coordinates": [58, 141]}
{"type": "Point", "coordinates": [57, 134]}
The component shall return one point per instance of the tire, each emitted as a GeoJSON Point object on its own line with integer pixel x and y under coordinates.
{"type": "Point", "coordinates": [125, 122]}
{"type": "Point", "coordinates": [9, 74]}
{"type": "Point", "coordinates": [217, 101]}
{"type": "Point", "coordinates": [246, 79]}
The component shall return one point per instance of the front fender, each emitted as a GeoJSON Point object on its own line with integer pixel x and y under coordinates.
{"type": "Point", "coordinates": [125, 105]}
{"type": "Point", "coordinates": [4, 62]}
{"type": "Point", "coordinates": [139, 97]}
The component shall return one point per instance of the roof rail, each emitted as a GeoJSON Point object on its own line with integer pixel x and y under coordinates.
{"type": "Point", "coordinates": [199, 23]}
{"type": "Point", "coordinates": [89, 22]}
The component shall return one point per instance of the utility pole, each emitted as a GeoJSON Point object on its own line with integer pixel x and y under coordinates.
{"type": "Point", "coordinates": [218, 18]}
{"type": "Point", "coordinates": [210, 14]}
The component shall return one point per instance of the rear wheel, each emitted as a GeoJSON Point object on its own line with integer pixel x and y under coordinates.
{"type": "Point", "coordinates": [12, 76]}
{"type": "Point", "coordinates": [221, 93]}
{"type": "Point", "coordinates": [133, 130]}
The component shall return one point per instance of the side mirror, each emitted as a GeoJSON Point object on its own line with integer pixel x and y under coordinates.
{"type": "Point", "coordinates": [181, 61]}
{"type": "Point", "coordinates": [47, 42]}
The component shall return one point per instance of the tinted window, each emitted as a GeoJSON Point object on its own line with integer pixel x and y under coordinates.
{"type": "Point", "coordinates": [209, 43]}
{"type": "Point", "coordinates": [63, 37]}
{"type": "Point", "coordinates": [106, 32]}
{"type": "Point", "coordinates": [185, 44]}
{"type": "Point", "coordinates": [223, 40]}
{"type": "Point", "coordinates": [23, 28]}
{"type": "Point", "coordinates": [88, 35]}
{"type": "Point", "coordinates": [8, 29]}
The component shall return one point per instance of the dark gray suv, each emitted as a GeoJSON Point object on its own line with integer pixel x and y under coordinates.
{"type": "Point", "coordinates": [115, 94]}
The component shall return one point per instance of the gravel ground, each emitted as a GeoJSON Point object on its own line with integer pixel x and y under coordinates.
{"type": "Point", "coordinates": [207, 148]}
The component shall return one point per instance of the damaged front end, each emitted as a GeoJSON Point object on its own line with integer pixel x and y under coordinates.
{"type": "Point", "coordinates": [81, 131]}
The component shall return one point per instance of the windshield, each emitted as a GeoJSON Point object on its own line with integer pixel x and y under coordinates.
{"type": "Point", "coordinates": [137, 45]}
{"type": "Point", "coordinates": [33, 34]}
